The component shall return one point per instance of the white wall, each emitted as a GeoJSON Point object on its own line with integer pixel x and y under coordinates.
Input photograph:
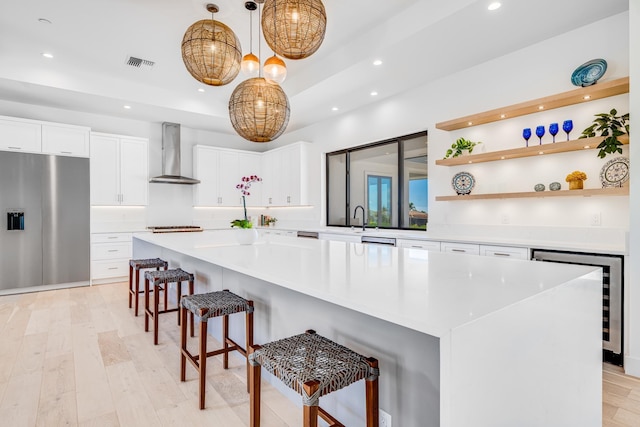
{"type": "Point", "coordinates": [632, 359]}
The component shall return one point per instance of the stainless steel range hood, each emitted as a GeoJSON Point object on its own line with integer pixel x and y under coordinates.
{"type": "Point", "coordinates": [171, 157]}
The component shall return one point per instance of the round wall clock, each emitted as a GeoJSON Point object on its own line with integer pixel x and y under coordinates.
{"type": "Point", "coordinates": [463, 183]}
{"type": "Point", "coordinates": [615, 172]}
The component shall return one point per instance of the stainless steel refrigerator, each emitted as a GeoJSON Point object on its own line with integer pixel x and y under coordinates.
{"type": "Point", "coordinates": [44, 235]}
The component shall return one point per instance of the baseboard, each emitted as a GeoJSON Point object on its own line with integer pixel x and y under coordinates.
{"type": "Point", "coordinates": [632, 366]}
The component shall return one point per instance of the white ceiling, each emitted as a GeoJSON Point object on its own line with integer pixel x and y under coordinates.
{"type": "Point", "coordinates": [417, 40]}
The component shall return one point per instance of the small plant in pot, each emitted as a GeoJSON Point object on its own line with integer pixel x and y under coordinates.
{"type": "Point", "coordinates": [244, 187]}
{"type": "Point", "coordinates": [610, 126]}
{"type": "Point", "coordinates": [461, 146]}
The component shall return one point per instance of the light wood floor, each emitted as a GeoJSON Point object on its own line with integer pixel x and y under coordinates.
{"type": "Point", "coordinates": [78, 357]}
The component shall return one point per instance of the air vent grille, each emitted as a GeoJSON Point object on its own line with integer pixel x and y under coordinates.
{"type": "Point", "coordinates": [140, 63]}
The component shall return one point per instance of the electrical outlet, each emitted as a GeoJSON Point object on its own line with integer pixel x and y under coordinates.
{"type": "Point", "coordinates": [384, 419]}
{"type": "Point", "coordinates": [596, 218]}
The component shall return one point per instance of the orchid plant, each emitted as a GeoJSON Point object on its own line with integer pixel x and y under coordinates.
{"type": "Point", "coordinates": [244, 187]}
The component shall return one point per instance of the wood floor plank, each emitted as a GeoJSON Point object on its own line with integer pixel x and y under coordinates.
{"type": "Point", "coordinates": [30, 357]}
{"type": "Point", "coordinates": [112, 348]}
{"type": "Point", "coordinates": [59, 410]}
{"type": "Point", "coordinates": [106, 420]}
{"type": "Point", "coordinates": [613, 388]}
{"type": "Point", "coordinates": [38, 321]}
{"type": "Point", "coordinates": [19, 406]}
{"type": "Point", "coordinates": [58, 376]}
{"type": "Point", "coordinates": [131, 402]}
{"type": "Point", "coordinates": [626, 417]}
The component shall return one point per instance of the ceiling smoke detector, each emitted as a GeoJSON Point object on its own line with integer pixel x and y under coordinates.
{"type": "Point", "coordinates": [139, 63]}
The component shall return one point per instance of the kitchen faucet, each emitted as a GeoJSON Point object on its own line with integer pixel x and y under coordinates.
{"type": "Point", "coordinates": [355, 211]}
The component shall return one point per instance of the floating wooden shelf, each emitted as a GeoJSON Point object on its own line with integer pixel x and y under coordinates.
{"type": "Point", "coordinates": [532, 150]}
{"type": "Point", "coordinates": [616, 191]}
{"type": "Point", "coordinates": [576, 96]}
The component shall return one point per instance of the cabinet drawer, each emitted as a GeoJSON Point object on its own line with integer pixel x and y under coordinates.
{"type": "Point", "coordinates": [419, 244]}
{"type": "Point", "coordinates": [460, 248]}
{"type": "Point", "coordinates": [110, 268]}
{"type": "Point", "coordinates": [111, 237]}
{"type": "Point", "coordinates": [504, 251]}
{"type": "Point", "coordinates": [104, 251]}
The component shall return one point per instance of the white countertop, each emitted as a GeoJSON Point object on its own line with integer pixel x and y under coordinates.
{"type": "Point", "coordinates": [430, 292]}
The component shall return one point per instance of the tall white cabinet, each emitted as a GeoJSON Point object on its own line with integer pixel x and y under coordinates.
{"type": "Point", "coordinates": [219, 171]}
{"type": "Point", "coordinates": [285, 182]}
{"type": "Point", "coordinates": [119, 170]}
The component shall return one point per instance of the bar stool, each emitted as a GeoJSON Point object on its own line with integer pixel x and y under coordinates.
{"type": "Point", "coordinates": [313, 366]}
{"type": "Point", "coordinates": [206, 306]}
{"type": "Point", "coordinates": [161, 279]}
{"type": "Point", "coordinates": [137, 265]}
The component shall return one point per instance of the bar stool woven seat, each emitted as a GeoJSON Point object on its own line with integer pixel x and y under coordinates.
{"type": "Point", "coordinates": [135, 265]}
{"type": "Point", "coordinates": [204, 307]}
{"type": "Point", "coordinates": [313, 366]}
{"type": "Point", "coordinates": [160, 280]}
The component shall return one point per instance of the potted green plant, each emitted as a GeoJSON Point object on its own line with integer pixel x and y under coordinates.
{"type": "Point", "coordinates": [610, 126]}
{"type": "Point", "coordinates": [461, 146]}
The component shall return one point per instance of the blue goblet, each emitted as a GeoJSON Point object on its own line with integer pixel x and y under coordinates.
{"type": "Point", "coordinates": [540, 133]}
{"type": "Point", "coordinates": [553, 130]}
{"type": "Point", "coordinates": [526, 134]}
{"type": "Point", "coordinates": [567, 126]}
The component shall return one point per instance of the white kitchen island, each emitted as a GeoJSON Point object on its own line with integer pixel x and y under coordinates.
{"type": "Point", "coordinates": [462, 340]}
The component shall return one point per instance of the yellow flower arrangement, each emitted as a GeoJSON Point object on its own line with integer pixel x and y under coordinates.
{"type": "Point", "coordinates": [576, 176]}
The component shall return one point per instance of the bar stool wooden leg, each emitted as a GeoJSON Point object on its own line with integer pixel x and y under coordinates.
{"type": "Point", "coordinates": [156, 306]}
{"type": "Point", "coordinates": [225, 341]}
{"type": "Point", "coordinates": [203, 361]}
{"type": "Point", "coordinates": [146, 305]}
{"type": "Point", "coordinates": [166, 293]}
{"type": "Point", "coordinates": [310, 413]}
{"type": "Point", "coordinates": [183, 342]}
{"type": "Point", "coordinates": [254, 391]}
{"type": "Point", "coordinates": [248, 333]}
{"type": "Point", "coordinates": [130, 284]}
{"type": "Point", "coordinates": [190, 313]}
{"type": "Point", "coordinates": [372, 396]}
{"type": "Point", "coordinates": [178, 295]}
{"type": "Point", "coordinates": [136, 291]}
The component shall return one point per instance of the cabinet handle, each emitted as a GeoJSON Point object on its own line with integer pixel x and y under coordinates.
{"type": "Point", "coordinates": [113, 250]}
{"type": "Point", "coordinates": [112, 237]}
{"type": "Point", "coordinates": [288, 199]}
{"type": "Point", "coordinates": [501, 254]}
{"type": "Point", "coordinates": [270, 200]}
{"type": "Point", "coordinates": [416, 246]}
{"type": "Point", "coordinates": [458, 250]}
{"type": "Point", "coordinates": [113, 268]}
{"type": "Point", "coordinates": [66, 152]}
{"type": "Point", "coordinates": [15, 148]}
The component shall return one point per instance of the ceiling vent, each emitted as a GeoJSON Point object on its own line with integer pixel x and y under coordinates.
{"type": "Point", "coordinates": [140, 63]}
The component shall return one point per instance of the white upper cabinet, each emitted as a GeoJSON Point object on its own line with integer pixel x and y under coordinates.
{"type": "Point", "coordinates": [64, 140]}
{"type": "Point", "coordinates": [219, 171]}
{"type": "Point", "coordinates": [20, 135]}
{"type": "Point", "coordinates": [32, 136]}
{"type": "Point", "coordinates": [285, 178]}
{"type": "Point", "coordinates": [119, 170]}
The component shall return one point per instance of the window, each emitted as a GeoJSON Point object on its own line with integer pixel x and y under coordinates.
{"type": "Point", "coordinates": [388, 179]}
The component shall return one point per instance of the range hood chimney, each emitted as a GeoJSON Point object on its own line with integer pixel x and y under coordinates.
{"type": "Point", "coordinates": [171, 157]}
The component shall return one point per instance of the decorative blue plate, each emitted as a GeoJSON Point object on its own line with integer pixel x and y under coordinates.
{"type": "Point", "coordinates": [589, 72]}
{"type": "Point", "coordinates": [463, 183]}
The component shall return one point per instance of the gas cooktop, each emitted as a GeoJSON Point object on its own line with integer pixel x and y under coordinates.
{"type": "Point", "coordinates": [175, 228]}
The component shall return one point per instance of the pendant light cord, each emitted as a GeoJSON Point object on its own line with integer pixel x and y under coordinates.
{"type": "Point", "coordinates": [259, 43]}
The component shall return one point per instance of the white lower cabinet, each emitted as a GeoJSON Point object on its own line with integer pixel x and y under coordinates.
{"type": "Point", "coordinates": [460, 248]}
{"type": "Point", "coordinates": [340, 237]}
{"type": "Point", "coordinates": [504, 251]}
{"type": "Point", "coordinates": [110, 255]}
{"type": "Point", "coordinates": [428, 245]}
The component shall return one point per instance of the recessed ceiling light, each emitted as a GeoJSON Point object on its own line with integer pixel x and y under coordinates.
{"type": "Point", "coordinates": [47, 55]}
{"type": "Point", "coordinates": [374, 93]}
{"type": "Point", "coordinates": [495, 5]}
{"type": "Point", "coordinates": [377, 62]}
{"type": "Point", "coordinates": [127, 107]}
{"type": "Point", "coordinates": [44, 21]}
{"type": "Point", "coordinates": [200, 90]}
{"type": "Point", "coordinates": [335, 109]}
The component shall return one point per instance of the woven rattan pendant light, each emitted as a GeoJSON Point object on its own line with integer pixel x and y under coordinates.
{"type": "Point", "coordinates": [294, 28]}
{"type": "Point", "coordinates": [211, 51]}
{"type": "Point", "coordinates": [259, 110]}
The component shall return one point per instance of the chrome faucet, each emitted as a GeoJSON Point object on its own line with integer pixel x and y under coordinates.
{"type": "Point", "coordinates": [355, 212]}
